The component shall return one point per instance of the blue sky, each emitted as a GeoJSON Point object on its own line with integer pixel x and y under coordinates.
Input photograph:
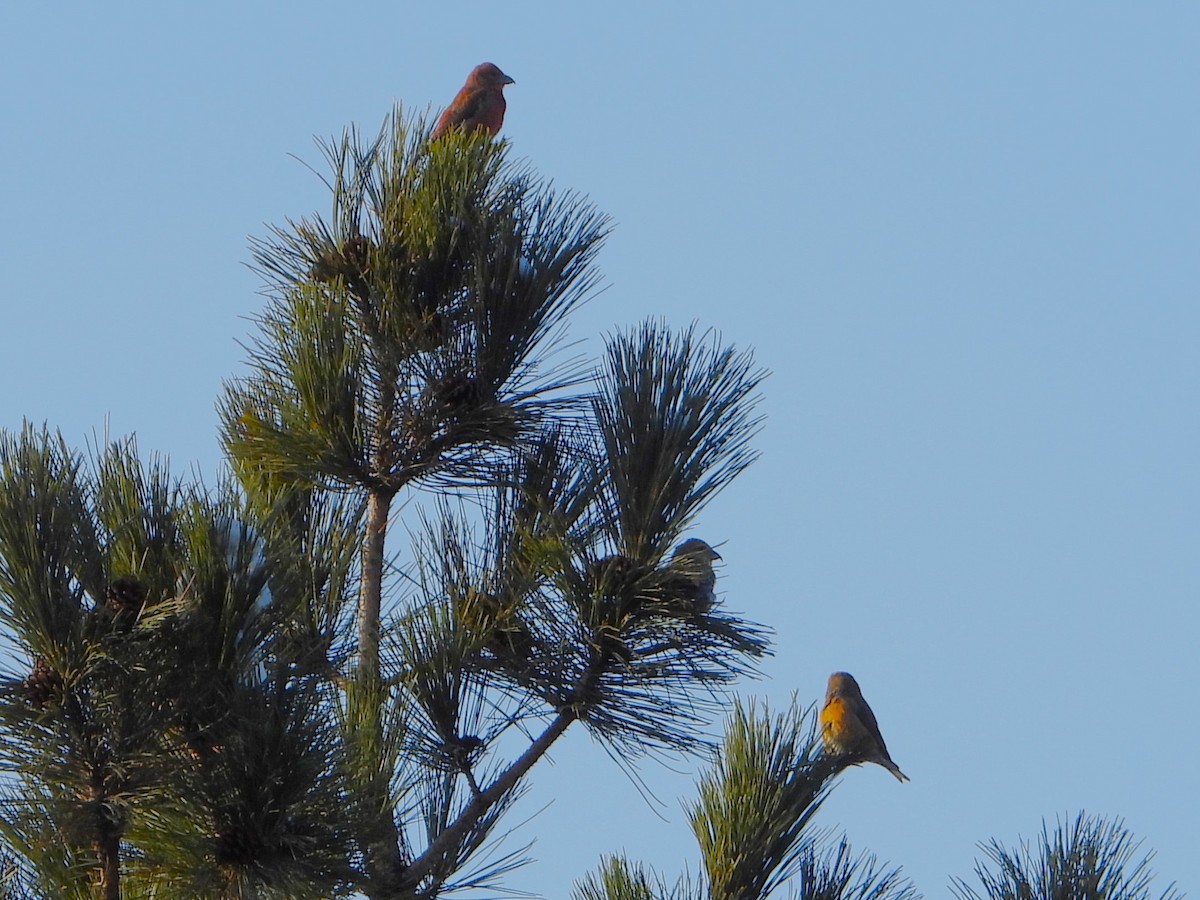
{"type": "Point", "coordinates": [963, 237]}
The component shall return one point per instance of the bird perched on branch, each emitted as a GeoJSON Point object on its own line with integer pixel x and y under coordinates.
{"type": "Point", "coordinates": [692, 573]}
{"type": "Point", "coordinates": [849, 729]}
{"type": "Point", "coordinates": [478, 105]}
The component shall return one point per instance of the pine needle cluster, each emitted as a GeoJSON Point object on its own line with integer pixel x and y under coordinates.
{"type": "Point", "coordinates": [1086, 858]}
{"type": "Point", "coordinates": [159, 741]}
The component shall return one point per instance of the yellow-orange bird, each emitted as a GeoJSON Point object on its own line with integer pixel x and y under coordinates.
{"type": "Point", "coordinates": [848, 727]}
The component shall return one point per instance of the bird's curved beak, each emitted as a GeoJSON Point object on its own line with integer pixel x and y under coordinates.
{"type": "Point", "coordinates": [508, 80]}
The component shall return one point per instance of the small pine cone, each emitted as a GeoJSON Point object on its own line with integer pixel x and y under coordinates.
{"type": "Point", "coordinates": [328, 263]}
{"type": "Point", "coordinates": [357, 252]}
{"type": "Point", "coordinates": [324, 269]}
{"type": "Point", "coordinates": [478, 611]}
{"type": "Point", "coordinates": [450, 395]}
{"type": "Point", "coordinates": [44, 685]}
{"type": "Point", "coordinates": [462, 753]}
{"type": "Point", "coordinates": [126, 595]}
{"type": "Point", "coordinates": [348, 262]}
{"type": "Point", "coordinates": [614, 647]}
{"type": "Point", "coordinates": [238, 846]}
{"type": "Point", "coordinates": [356, 263]}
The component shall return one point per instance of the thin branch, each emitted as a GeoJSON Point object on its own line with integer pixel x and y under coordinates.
{"type": "Point", "coordinates": [452, 837]}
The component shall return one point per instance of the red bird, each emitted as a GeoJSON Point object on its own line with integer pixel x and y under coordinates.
{"type": "Point", "coordinates": [480, 103]}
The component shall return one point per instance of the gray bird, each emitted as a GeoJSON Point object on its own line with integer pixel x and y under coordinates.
{"type": "Point", "coordinates": [692, 563]}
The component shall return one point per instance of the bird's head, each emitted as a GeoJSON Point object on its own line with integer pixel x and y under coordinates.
{"type": "Point", "coordinates": [842, 684]}
{"type": "Point", "coordinates": [694, 548]}
{"type": "Point", "coordinates": [488, 75]}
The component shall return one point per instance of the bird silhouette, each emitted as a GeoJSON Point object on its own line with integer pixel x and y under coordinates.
{"type": "Point", "coordinates": [692, 573]}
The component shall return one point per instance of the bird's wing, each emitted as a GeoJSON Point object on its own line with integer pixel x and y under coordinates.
{"type": "Point", "coordinates": [867, 717]}
{"type": "Point", "coordinates": [463, 108]}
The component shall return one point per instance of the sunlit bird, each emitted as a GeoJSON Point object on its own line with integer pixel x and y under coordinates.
{"type": "Point", "coordinates": [478, 105]}
{"type": "Point", "coordinates": [848, 727]}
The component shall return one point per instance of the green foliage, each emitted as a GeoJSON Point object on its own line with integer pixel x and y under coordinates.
{"type": "Point", "coordinates": [618, 879]}
{"type": "Point", "coordinates": [1085, 859]}
{"type": "Point", "coordinates": [310, 543]}
{"type": "Point", "coordinates": [675, 416]}
{"type": "Point", "coordinates": [48, 553]}
{"type": "Point", "coordinates": [408, 334]}
{"type": "Point", "coordinates": [149, 737]}
{"type": "Point", "coordinates": [407, 339]}
{"type": "Point", "coordinates": [755, 804]}
{"type": "Point", "coordinates": [835, 873]}
{"type": "Point", "coordinates": [528, 618]}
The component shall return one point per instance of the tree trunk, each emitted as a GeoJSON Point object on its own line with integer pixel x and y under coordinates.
{"type": "Point", "coordinates": [106, 842]}
{"type": "Point", "coordinates": [383, 848]}
{"type": "Point", "coordinates": [371, 590]}
{"type": "Point", "coordinates": [108, 855]}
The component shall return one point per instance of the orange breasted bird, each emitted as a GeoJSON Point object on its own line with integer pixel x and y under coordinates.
{"type": "Point", "coordinates": [848, 727]}
{"type": "Point", "coordinates": [479, 105]}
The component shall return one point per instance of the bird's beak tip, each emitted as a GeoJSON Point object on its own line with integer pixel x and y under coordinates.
{"type": "Point", "coordinates": [508, 80]}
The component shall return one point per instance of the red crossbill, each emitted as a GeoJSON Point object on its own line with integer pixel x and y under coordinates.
{"type": "Point", "coordinates": [848, 726]}
{"type": "Point", "coordinates": [480, 103]}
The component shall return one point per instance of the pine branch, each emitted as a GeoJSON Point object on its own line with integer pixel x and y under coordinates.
{"type": "Point", "coordinates": [1086, 859]}
{"type": "Point", "coordinates": [48, 544]}
{"type": "Point", "coordinates": [447, 844]}
{"type": "Point", "coordinates": [152, 741]}
{"type": "Point", "coordinates": [835, 873]}
{"type": "Point", "coordinates": [756, 803]}
{"type": "Point", "coordinates": [676, 415]}
{"type": "Point", "coordinates": [617, 879]}
{"type": "Point", "coordinates": [407, 334]}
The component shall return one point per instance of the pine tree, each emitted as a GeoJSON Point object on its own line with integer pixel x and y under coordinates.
{"type": "Point", "coordinates": [154, 744]}
{"type": "Point", "coordinates": [251, 692]}
{"type": "Point", "coordinates": [266, 689]}
{"type": "Point", "coordinates": [408, 347]}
